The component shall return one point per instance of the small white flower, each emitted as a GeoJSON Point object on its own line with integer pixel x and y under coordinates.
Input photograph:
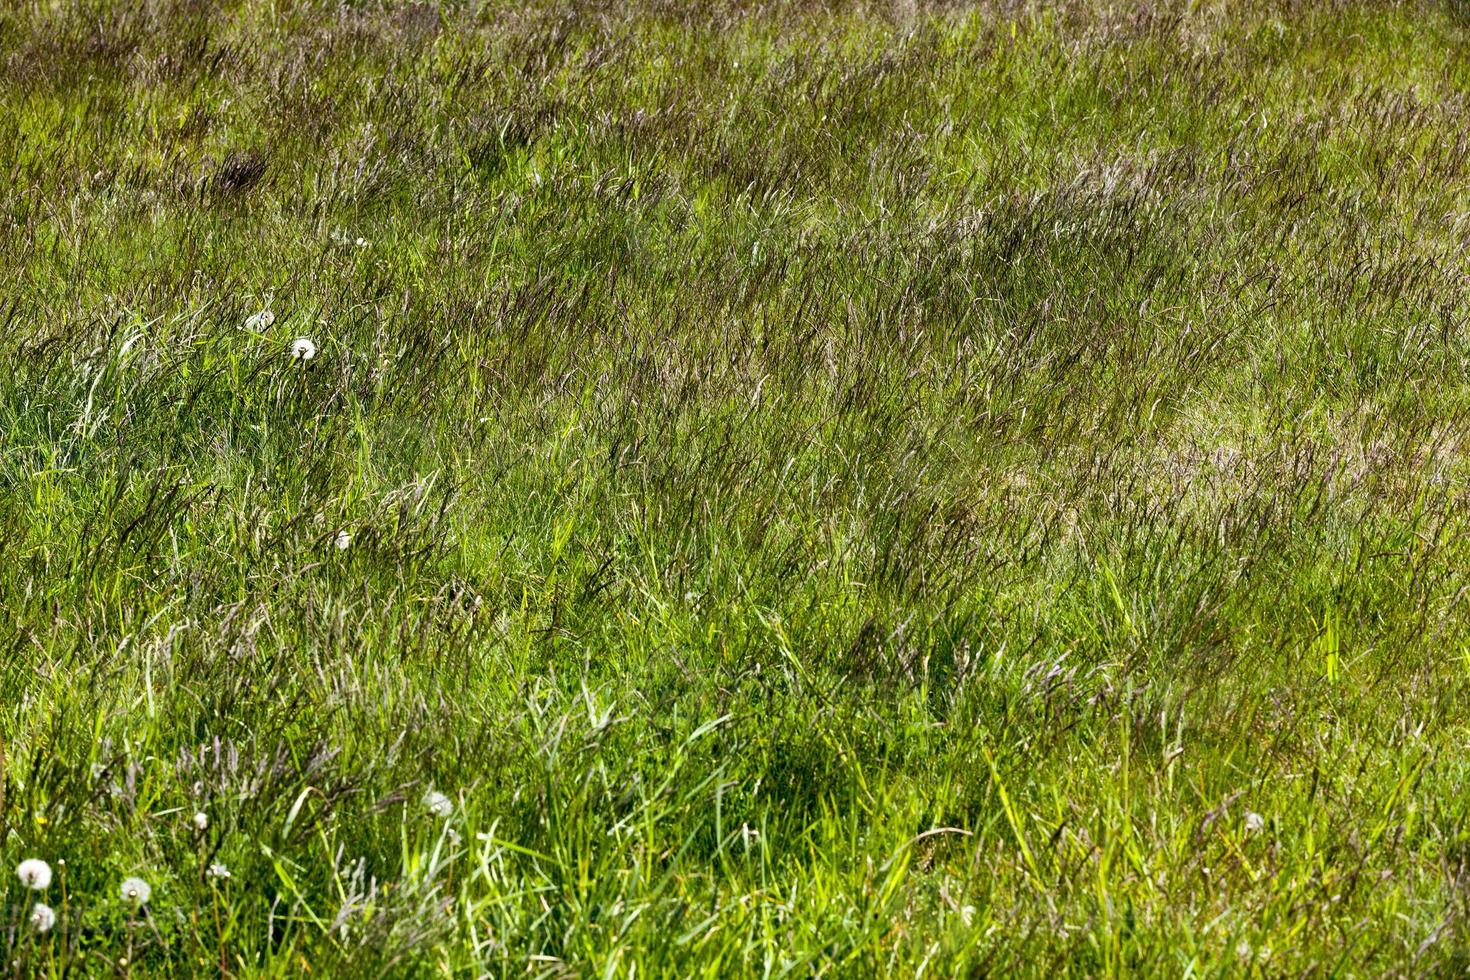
{"type": "Point", "coordinates": [361, 243]}
{"type": "Point", "coordinates": [343, 540]}
{"type": "Point", "coordinates": [1244, 951]}
{"type": "Point", "coordinates": [218, 870]}
{"type": "Point", "coordinates": [260, 321]}
{"type": "Point", "coordinates": [967, 915]}
{"type": "Point", "coordinates": [34, 873]}
{"type": "Point", "coordinates": [1254, 822]}
{"type": "Point", "coordinates": [136, 892]}
{"type": "Point", "coordinates": [302, 349]}
{"type": "Point", "coordinates": [437, 803]}
{"type": "Point", "coordinates": [42, 917]}
{"type": "Point", "coordinates": [201, 821]}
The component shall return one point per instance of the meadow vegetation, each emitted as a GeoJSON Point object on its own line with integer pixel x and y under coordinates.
{"type": "Point", "coordinates": [779, 488]}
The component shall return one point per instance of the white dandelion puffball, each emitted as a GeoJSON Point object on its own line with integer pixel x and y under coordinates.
{"type": "Point", "coordinates": [218, 871]}
{"type": "Point", "coordinates": [302, 349]}
{"type": "Point", "coordinates": [43, 917]}
{"type": "Point", "coordinates": [343, 540]}
{"type": "Point", "coordinates": [136, 892]}
{"type": "Point", "coordinates": [34, 873]}
{"type": "Point", "coordinates": [201, 821]}
{"type": "Point", "coordinates": [437, 803]}
{"type": "Point", "coordinates": [260, 321]}
{"type": "Point", "coordinates": [1254, 822]}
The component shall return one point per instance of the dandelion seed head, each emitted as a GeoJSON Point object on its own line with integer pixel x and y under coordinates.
{"type": "Point", "coordinates": [1254, 822]}
{"type": "Point", "coordinates": [260, 321]}
{"type": "Point", "coordinates": [302, 349]}
{"type": "Point", "coordinates": [201, 821]}
{"type": "Point", "coordinates": [43, 917]}
{"type": "Point", "coordinates": [136, 892]}
{"type": "Point", "coordinates": [437, 803]}
{"type": "Point", "coordinates": [343, 540]}
{"type": "Point", "coordinates": [34, 873]}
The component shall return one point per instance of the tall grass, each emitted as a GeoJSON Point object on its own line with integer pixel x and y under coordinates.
{"type": "Point", "coordinates": [828, 488]}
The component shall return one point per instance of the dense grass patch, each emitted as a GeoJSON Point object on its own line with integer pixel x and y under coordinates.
{"type": "Point", "coordinates": [818, 487]}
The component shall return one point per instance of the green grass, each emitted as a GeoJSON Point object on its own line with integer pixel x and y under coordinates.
{"type": "Point", "coordinates": [833, 488]}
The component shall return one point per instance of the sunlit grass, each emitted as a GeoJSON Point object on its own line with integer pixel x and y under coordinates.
{"type": "Point", "coordinates": [706, 489]}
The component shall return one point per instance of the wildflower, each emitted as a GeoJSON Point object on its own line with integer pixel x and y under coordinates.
{"type": "Point", "coordinates": [34, 873]}
{"type": "Point", "coordinates": [42, 917]}
{"type": "Point", "coordinates": [343, 540]}
{"type": "Point", "coordinates": [437, 803]}
{"type": "Point", "coordinates": [201, 821]}
{"type": "Point", "coordinates": [1254, 822]}
{"type": "Point", "coordinates": [259, 321]}
{"type": "Point", "coordinates": [302, 349]}
{"type": "Point", "coordinates": [967, 915]}
{"type": "Point", "coordinates": [1244, 951]}
{"type": "Point", "coordinates": [361, 243]}
{"type": "Point", "coordinates": [136, 892]}
{"type": "Point", "coordinates": [218, 870]}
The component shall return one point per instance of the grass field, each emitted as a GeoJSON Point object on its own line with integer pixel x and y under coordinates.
{"type": "Point", "coordinates": [779, 489]}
